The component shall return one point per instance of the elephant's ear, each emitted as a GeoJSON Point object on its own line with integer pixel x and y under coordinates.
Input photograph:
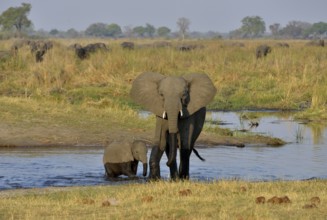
{"type": "Point", "coordinates": [118, 152]}
{"type": "Point", "coordinates": [145, 92]}
{"type": "Point", "coordinates": [201, 91]}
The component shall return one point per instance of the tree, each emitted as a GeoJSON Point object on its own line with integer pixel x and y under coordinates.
{"type": "Point", "coordinates": [114, 30]}
{"type": "Point", "coordinates": [128, 31]}
{"type": "Point", "coordinates": [318, 28]}
{"type": "Point", "coordinates": [54, 32]}
{"type": "Point", "coordinates": [183, 25]}
{"type": "Point", "coordinates": [72, 33]}
{"type": "Point", "coordinates": [236, 33]}
{"type": "Point", "coordinates": [274, 28]}
{"type": "Point", "coordinates": [149, 30]}
{"type": "Point", "coordinates": [253, 26]}
{"type": "Point", "coordinates": [16, 17]}
{"type": "Point", "coordinates": [296, 29]}
{"type": "Point", "coordinates": [97, 29]}
{"type": "Point", "coordinates": [163, 31]}
{"type": "Point", "coordinates": [139, 31]}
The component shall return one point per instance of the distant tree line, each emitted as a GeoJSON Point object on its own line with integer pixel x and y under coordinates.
{"type": "Point", "coordinates": [14, 22]}
{"type": "Point", "coordinates": [254, 27]}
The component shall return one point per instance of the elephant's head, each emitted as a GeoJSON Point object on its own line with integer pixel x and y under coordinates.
{"type": "Point", "coordinates": [171, 97]}
{"type": "Point", "coordinates": [139, 151]}
{"type": "Point", "coordinates": [126, 151]}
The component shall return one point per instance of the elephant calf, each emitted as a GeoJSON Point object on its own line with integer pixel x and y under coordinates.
{"type": "Point", "coordinates": [122, 158]}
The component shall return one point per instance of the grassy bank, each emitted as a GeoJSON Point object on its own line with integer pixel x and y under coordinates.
{"type": "Point", "coordinates": [29, 122]}
{"type": "Point", "coordinates": [171, 200]}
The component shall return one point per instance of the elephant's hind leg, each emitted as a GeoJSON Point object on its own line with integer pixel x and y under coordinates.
{"type": "Point", "coordinates": [184, 167]}
{"type": "Point", "coordinates": [109, 172]}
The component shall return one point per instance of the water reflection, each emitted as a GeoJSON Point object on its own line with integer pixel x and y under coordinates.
{"type": "Point", "coordinates": [276, 124]}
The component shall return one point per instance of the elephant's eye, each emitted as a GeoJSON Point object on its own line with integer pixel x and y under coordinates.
{"type": "Point", "coordinates": [161, 95]}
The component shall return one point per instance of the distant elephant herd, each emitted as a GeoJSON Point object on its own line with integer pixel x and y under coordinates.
{"type": "Point", "coordinates": [40, 47]}
{"type": "Point", "coordinates": [263, 50]}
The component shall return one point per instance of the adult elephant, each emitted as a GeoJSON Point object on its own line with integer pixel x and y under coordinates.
{"type": "Point", "coordinates": [262, 51]}
{"type": "Point", "coordinates": [179, 104]}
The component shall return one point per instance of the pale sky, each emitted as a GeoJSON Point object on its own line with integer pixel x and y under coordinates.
{"type": "Point", "coordinates": [204, 15]}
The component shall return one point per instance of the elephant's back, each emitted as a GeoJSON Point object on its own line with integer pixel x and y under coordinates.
{"type": "Point", "coordinates": [117, 152]}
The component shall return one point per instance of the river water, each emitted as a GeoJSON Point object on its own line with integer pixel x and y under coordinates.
{"type": "Point", "coordinates": [304, 157]}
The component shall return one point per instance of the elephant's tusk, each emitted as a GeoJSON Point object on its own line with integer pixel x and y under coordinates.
{"type": "Point", "coordinates": [164, 115]}
{"type": "Point", "coordinates": [181, 112]}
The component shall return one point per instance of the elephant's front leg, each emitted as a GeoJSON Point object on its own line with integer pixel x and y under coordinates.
{"type": "Point", "coordinates": [184, 167]}
{"type": "Point", "coordinates": [172, 166]}
{"type": "Point", "coordinates": [134, 165]}
{"type": "Point", "coordinates": [155, 158]}
{"type": "Point", "coordinates": [127, 169]}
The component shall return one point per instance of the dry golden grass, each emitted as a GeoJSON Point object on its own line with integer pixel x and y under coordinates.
{"type": "Point", "coordinates": [172, 200]}
{"type": "Point", "coordinates": [286, 79]}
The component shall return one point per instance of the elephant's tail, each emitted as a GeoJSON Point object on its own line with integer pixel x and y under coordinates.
{"type": "Point", "coordinates": [197, 154]}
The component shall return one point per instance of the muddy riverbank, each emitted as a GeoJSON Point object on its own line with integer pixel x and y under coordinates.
{"type": "Point", "coordinates": [21, 135]}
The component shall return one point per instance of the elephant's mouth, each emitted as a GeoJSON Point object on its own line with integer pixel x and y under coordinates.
{"type": "Point", "coordinates": [164, 114]}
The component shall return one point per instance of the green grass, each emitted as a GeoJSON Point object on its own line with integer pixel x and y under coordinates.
{"type": "Point", "coordinates": [90, 113]}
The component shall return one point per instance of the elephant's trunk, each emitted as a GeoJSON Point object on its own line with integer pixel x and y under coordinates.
{"type": "Point", "coordinates": [145, 169]}
{"type": "Point", "coordinates": [173, 111]}
{"type": "Point", "coordinates": [172, 149]}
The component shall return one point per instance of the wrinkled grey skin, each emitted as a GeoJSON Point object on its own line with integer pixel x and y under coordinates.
{"type": "Point", "coordinates": [128, 168]}
{"type": "Point", "coordinates": [262, 51]}
{"type": "Point", "coordinates": [179, 104]}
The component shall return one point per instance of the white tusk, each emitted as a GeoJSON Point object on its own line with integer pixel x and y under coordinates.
{"type": "Point", "coordinates": [164, 115]}
{"type": "Point", "coordinates": [181, 112]}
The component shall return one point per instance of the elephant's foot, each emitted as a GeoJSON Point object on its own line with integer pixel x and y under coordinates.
{"type": "Point", "coordinates": [133, 177]}
{"type": "Point", "coordinates": [173, 171]}
{"type": "Point", "coordinates": [155, 157]}
{"type": "Point", "coordinates": [184, 177]}
{"type": "Point", "coordinates": [154, 174]}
